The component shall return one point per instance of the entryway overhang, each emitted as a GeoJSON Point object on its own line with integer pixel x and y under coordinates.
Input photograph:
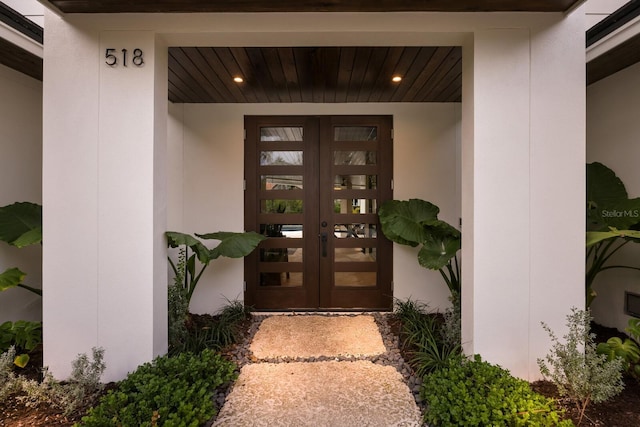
{"type": "Point", "coordinates": [301, 74]}
{"type": "Point", "coordinates": [204, 6]}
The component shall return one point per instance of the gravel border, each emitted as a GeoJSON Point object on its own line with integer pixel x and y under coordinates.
{"type": "Point", "coordinates": [242, 355]}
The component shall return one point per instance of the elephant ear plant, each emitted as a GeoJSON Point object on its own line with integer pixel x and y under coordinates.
{"type": "Point", "coordinates": [232, 245]}
{"type": "Point", "coordinates": [613, 221]}
{"type": "Point", "coordinates": [415, 223]}
{"type": "Point", "coordinates": [20, 226]}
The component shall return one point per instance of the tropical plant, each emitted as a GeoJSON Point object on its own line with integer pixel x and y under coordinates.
{"type": "Point", "coordinates": [24, 336]}
{"type": "Point", "coordinates": [415, 223]}
{"type": "Point", "coordinates": [628, 350]}
{"type": "Point", "coordinates": [576, 368]}
{"type": "Point", "coordinates": [232, 245]}
{"type": "Point", "coordinates": [20, 226]}
{"type": "Point", "coordinates": [476, 393]}
{"type": "Point", "coordinates": [613, 221]}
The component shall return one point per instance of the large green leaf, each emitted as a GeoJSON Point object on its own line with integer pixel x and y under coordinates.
{"type": "Point", "coordinates": [615, 347]}
{"type": "Point", "coordinates": [594, 237]}
{"type": "Point", "coordinates": [437, 250]}
{"type": "Point", "coordinates": [608, 204]}
{"type": "Point", "coordinates": [176, 239]}
{"type": "Point", "coordinates": [21, 224]}
{"type": "Point", "coordinates": [11, 278]}
{"type": "Point", "coordinates": [233, 245]}
{"type": "Point", "coordinates": [403, 221]}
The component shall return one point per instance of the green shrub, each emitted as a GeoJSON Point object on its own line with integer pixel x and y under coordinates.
{"type": "Point", "coordinates": [476, 393]}
{"type": "Point", "coordinates": [74, 395]}
{"type": "Point", "coordinates": [8, 379]}
{"type": "Point", "coordinates": [577, 369]}
{"type": "Point", "coordinates": [170, 391]}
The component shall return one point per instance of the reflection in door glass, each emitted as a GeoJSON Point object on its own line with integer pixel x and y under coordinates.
{"type": "Point", "coordinates": [355, 254]}
{"type": "Point", "coordinates": [281, 182]}
{"type": "Point", "coordinates": [355, 182]}
{"type": "Point", "coordinates": [355, 278]}
{"type": "Point", "coordinates": [280, 206]}
{"type": "Point", "coordinates": [281, 133]}
{"type": "Point", "coordinates": [292, 231]}
{"type": "Point", "coordinates": [355, 133]}
{"type": "Point", "coordinates": [357, 231]}
{"type": "Point", "coordinates": [280, 254]}
{"type": "Point", "coordinates": [354, 157]}
{"type": "Point", "coordinates": [281, 158]}
{"type": "Point", "coordinates": [285, 279]}
{"type": "Point", "coordinates": [355, 206]}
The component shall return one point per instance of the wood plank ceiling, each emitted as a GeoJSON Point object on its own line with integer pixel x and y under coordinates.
{"type": "Point", "coordinates": [166, 6]}
{"type": "Point", "coordinates": [315, 74]}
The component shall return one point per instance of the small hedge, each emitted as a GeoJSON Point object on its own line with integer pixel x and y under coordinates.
{"type": "Point", "coordinates": [170, 391]}
{"type": "Point", "coordinates": [476, 393]}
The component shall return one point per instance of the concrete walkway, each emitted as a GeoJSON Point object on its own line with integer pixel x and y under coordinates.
{"type": "Point", "coordinates": [313, 371]}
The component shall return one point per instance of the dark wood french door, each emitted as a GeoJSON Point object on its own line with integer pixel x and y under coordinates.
{"type": "Point", "coordinates": [313, 187]}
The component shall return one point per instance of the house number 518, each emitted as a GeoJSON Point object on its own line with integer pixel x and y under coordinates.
{"type": "Point", "coordinates": [113, 57]}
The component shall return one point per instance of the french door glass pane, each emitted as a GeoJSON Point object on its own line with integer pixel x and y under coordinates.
{"type": "Point", "coordinates": [355, 254]}
{"type": "Point", "coordinates": [355, 133]}
{"type": "Point", "coordinates": [346, 231]}
{"type": "Point", "coordinates": [355, 278]}
{"type": "Point", "coordinates": [281, 158]}
{"type": "Point", "coordinates": [287, 133]}
{"type": "Point", "coordinates": [355, 206]}
{"type": "Point", "coordinates": [281, 230]}
{"type": "Point", "coordinates": [281, 182]}
{"type": "Point", "coordinates": [280, 206]}
{"type": "Point", "coordinates": [354, 157]}
{"type": "Point", "coordinates": [355, 182]}
{"type": "Point", "coordinates": [285, 279]}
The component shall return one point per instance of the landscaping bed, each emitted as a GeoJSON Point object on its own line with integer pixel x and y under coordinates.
{"type": "Point", "coordinates": [621, 411]}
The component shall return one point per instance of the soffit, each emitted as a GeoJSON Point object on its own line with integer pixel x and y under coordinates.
{"type": "Point", "coordinates": [20, 60]}
{"type": "Point", "coordinates": [315, 74]}
{"type": "Point", "coordinates": [167, 6]}
{"type": "Point", "coordinates": [620, 57]}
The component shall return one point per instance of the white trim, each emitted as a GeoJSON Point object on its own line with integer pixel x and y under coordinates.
{"type": "Point", "coordinates": [21, 40]}
{"type": "Point", "coordinates": [614, 39]}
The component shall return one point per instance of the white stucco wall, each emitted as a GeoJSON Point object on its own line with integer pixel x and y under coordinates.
{"type": "Point", "coordinates": [20, 180]}
{"type": "Point", "coordinates": [426, 166]}
{"type": "Point", "coordinates": [613, 132]}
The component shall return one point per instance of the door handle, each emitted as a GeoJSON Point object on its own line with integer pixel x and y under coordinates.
{"type": "Point", "coordinates": [323, 239]}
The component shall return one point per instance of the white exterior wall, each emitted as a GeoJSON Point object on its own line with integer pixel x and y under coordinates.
{"type": "Point", "coordinates": [522, 117]}
{"type": "Point", "coordinates": [20, 181]}
{"type": "Point", "coordinates": [612, 139]}
{"type": "Point", "coordinates": [522, 144]}
{"type": "Point", "coordinates": [426, 166]}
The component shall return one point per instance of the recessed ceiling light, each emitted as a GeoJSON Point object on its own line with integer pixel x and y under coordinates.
{"type": "Point", "coordinates": [238, 79]}
{"type": "Point", "coordinates": [396, 79]}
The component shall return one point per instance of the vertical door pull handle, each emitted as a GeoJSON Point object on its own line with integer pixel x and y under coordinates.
{"type": "Point", "coordinates": [323, 240]}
